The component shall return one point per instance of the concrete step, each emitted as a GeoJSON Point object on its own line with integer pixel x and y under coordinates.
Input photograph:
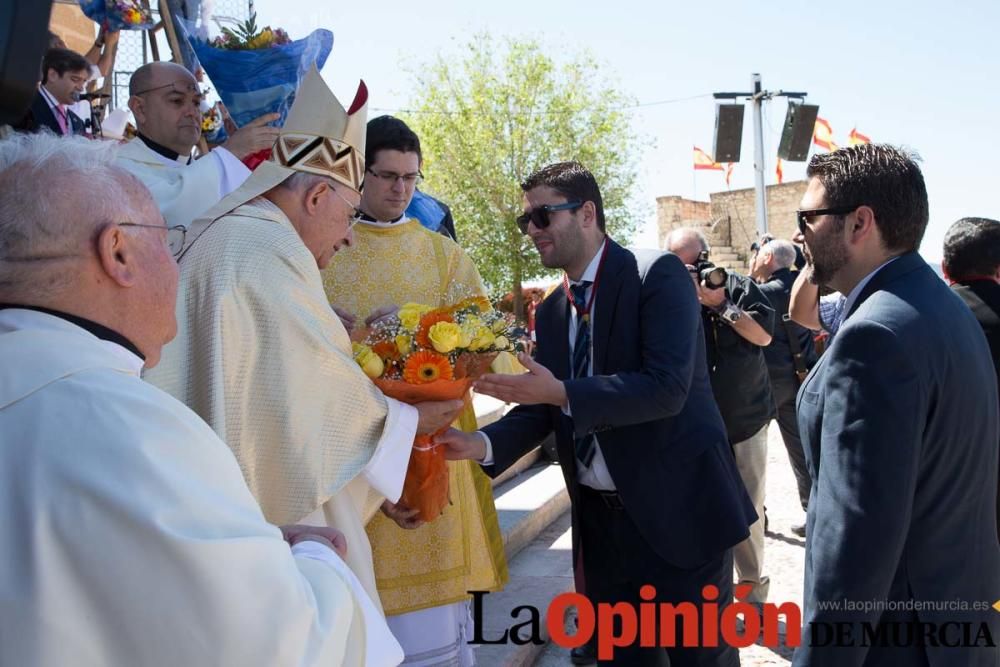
{"type": "Point", "coordinates": [538, 573]}
{"type": "Point", "coordinates": [527, 503]}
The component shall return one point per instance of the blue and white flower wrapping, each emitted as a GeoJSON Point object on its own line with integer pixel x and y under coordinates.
{"type": "Point", "coordinates": [115, 15]}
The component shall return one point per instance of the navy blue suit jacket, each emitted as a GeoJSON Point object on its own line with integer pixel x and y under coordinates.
{"type": "Point", "coordinates": [899, 424]}
{"type": "Point", "coordinates": [41, 116]}
{"type": "Point", "coordinates": [649, 402]}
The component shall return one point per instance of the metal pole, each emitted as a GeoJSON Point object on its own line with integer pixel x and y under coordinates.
{"type": "Point", "coordinates": [760, 191]}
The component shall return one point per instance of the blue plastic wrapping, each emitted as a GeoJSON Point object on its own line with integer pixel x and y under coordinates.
{"type": "Point", "coordinates": [112, 14]}
{"type": "Point", "coordinates": [252, 83]}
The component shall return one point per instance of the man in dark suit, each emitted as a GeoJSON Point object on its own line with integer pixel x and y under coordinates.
{"type": "Point", "coordinates": [899, 423]}
{"type": "Point", "coordinates": [64, 77]}
{"type": "Point", "coordinates": [621, 378]}
{"type": "Point", "coordinates": [972, 265]}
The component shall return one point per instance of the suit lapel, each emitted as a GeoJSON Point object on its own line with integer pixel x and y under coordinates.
{"type": "Point", "coordinates": [554, 311]}
{"type": "Point", "coordinates": [607, 298]}
{"type": "Point", "coordinates": [902, 265]}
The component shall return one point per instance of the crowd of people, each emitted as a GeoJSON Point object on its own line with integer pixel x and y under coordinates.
{"type": "Point", "coordinates": [194, 469]}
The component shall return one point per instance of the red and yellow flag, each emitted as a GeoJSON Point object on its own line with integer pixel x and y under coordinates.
{"type": "Point", "coordinates": [779, 172]}
{"type": "Point", "coordinates": [823, 135]}
{"type": "Point", "coordinates": [703, 161]}
{"type": "Point", "coordinates": [729, 172]}
{"type": "Point", "coordinates": [855, 138]}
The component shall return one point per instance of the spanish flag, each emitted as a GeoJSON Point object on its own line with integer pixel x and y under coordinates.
{"type": "Point", "coordinates": [703, 161]}
{"type": "Point", "coordinates": [823, 135]}
{"type": "Point", "coordinates": [729, 172]}
{"type": "Point", "coordinates": [779, 172]}
{"type": "Point", "coordinates": [855, 138]}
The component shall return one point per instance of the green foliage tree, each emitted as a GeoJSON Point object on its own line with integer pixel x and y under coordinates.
{"type": "Point", "coordinates": [486, 123]}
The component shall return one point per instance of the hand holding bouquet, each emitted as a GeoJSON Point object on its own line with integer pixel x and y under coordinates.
{"type": "Point", "coordinates": [423, 353]}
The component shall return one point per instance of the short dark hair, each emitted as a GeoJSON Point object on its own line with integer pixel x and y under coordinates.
{"type": "Point", "coordinates": [972, 248]}
{"type": "Point", "coordinates": [62, 61]}
{"type": "Point", "coordinates": [571, 180]}
{"type": "Point", "coordinates": [390, 133]}
{"type": "Point", "coordinates": [884, 178]}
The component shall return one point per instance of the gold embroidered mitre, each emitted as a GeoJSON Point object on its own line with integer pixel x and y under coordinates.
{"type": "Point", "coordinates": [320, 137]}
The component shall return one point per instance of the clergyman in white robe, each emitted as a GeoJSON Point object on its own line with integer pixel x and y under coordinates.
{"type": "Point", "coordinates": [130, 537]}
{"type": "Point", "coordinates": [261, 356]}
{"type": "Point", "coordinates": [183, 188]}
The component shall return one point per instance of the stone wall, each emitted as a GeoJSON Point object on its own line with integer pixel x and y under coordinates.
{"type": "Point", "coordinates": [728, 219]}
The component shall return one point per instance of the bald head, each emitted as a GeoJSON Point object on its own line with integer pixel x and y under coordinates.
{"type": "Point", "coordinates": [687, 243]}
{"type": "Point", "coordinates": [166, 102]}
{"type": "Point", "coordinates": [154, 75]}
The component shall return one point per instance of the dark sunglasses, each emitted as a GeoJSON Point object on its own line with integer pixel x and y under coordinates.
{"type": "Point", "coordinates": [804, 215]}
{"type": "Point", "coordinates": [540, 215]}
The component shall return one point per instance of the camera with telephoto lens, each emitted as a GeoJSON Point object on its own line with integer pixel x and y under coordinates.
{"type": "Point", "coordinates": [710, 275]}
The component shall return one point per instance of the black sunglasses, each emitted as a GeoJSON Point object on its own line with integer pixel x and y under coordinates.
{"type": "Point", "coordinates": [804, 215]}
{"type": "Point", "coordinates": [540, 215]}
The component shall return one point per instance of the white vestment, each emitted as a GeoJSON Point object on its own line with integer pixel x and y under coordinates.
{"type": "Point", "coordinates": [261, 356]}
{"type": "Point", "coordinates": [183, 190]}
{"type": "Point", "coordinates": [130, 537]}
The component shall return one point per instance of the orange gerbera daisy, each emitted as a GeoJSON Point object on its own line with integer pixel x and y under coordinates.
{"type": "Point", "coordinates": [427, 321]}
{"type": "Point", "coordinates": [481, 303]}
{"type": "Point", "coordinates": [386, 349]}
{"type": "Point", "coordinates": [426, 366]}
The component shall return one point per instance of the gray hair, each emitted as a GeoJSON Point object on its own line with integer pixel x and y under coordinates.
{"type": "Point", "coordinates": [683, 236]}
{"type": "Point", "coordinates": [301, 181]}
{"type": "Point", "coordinates": [783, 252]}
{"type": "Point", "coordinates": [54, 194]}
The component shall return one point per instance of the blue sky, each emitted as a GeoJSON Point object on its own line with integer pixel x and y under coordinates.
{"type": "Point", "coordinates": [915, 73]}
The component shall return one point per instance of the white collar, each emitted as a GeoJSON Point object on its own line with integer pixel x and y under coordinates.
{"type": "Point", "coordinates": [590, 273]}
{"type": "Point", "coordinates": [856, 292]}
{"type": "Point", "coordinates": [15, 319]}
{"type": "Point", "coordinates": [50, 98]}
{"type": "Point", "coordinates": [380, 223]}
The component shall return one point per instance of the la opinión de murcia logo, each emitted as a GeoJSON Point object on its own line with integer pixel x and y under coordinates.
{"type": "Point", "coordinates": [655, 624]}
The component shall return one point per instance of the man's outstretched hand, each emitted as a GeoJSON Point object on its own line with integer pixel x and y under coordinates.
{"type": "Point", "coordinates": [537, 386]}
{"type": "Point", "coordinates": [459, 445]}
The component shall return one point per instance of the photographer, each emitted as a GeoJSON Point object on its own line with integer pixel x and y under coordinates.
{"type": "Point", "coordinates": [738, 321]}
{"type": "Point", "coordinates": [789, 356]}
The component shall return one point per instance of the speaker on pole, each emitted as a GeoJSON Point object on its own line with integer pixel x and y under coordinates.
{"type": "Point", "coordinates": [797, 134]}
{"type": "Point", "coordinates": [728, 133]}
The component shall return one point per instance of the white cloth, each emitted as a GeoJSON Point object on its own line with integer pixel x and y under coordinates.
{"type": "Point", "coordinates": [436, 636]}
{"type": "Point", "coordinates": [130, 536]}
{"type": "Point", "coordinates": [183, 190]}
{"type": "Point", "coordinates": [261, 356]}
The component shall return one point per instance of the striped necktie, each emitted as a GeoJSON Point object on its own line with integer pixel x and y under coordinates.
{"type": "Point", "coordinates": [584, 446]}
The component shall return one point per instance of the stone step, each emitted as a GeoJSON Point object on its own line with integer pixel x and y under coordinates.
{"type": "Point", "coordinates": [538, 573]}
{"type": "Point", "coordinates": [527, 503]}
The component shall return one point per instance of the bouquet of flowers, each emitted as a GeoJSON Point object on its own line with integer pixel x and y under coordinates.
{"type": "Point", "coordinates": [118, 14]}
{"type": "Point", "coordinates": [424, 354]}
{"type": "Point", "coordinates": [255, 70]}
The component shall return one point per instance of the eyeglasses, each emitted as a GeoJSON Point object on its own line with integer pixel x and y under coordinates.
{"type": "Point", "coordinates": [804, 215]}
{"type": "Point", "coordinates": [540, 214]}
{"type": "Point", "coordinates": [391, 177]}
{"type": "Point", "coordinates": [355, 211]}
{"type": "Point", "coordinates": [175, 235]}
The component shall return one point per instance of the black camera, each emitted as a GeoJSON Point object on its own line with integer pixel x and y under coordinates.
{"type": "Point", "coordinates": [710, 275]}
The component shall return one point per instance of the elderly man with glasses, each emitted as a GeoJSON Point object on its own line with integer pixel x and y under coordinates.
{"type": "Point", "coordinates": [262, 357]}
{"type": "Point", "coordinates": [130, 537]}
{"type": "Point", "coordinates": [424, 573]}
{"type": "Point", "coordinates": [899, 423]}
{"type": "Point", "coordinates": [165, 99]}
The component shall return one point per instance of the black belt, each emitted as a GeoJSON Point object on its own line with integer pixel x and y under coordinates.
{"type": "Point", "coordinates": [611, 499]}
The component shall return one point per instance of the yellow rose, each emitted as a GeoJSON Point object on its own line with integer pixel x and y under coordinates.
{"type": "Point", "coordinates": [480, 336]}
{"type": "Point", "coordinates": [501, 343]}
{"type": "Point", "coordinates": [500, 326]}
{"type": "Point", "coordinates": [403, 344]}
{"type": "Point", "coordinates": [445, 336]}
{"type": "Point", "coordinates": [410, 313]}
{"type": "Point", "coordinates": [370, 362]}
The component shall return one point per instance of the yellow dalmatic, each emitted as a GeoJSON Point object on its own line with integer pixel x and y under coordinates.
{"type": "Point", "coordinates": [462, 550]}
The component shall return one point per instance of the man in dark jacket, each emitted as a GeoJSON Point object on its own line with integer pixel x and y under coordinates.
{"type": "Point", "coordinates": [972, 265]}
{"type": "Point", "coordinates": [790, 353]}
